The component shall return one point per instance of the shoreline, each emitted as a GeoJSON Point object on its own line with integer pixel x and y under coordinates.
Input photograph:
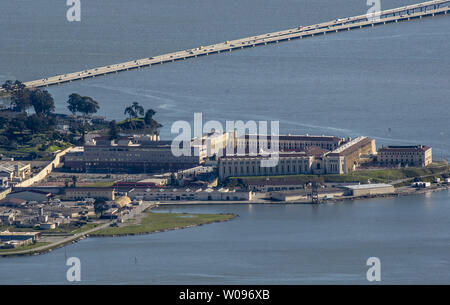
{"type": "Point", "coordinates": [75, 239]}
{"type": "Point", "coordinates": [164, 230]}
{"type": "Point", "coordinates": [337, 199]}
{"type": "Point", "coordinates": [82, 236]}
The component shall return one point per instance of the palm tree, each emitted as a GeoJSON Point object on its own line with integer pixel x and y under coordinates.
{"type": "Point", "coordinates": [134, 110]}
{"type": "Point", "coordinates": [130, 111]}
{"type": "Point", "coordinates": [138, 108]}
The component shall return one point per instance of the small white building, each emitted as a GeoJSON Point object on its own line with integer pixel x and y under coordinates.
{"type": "Point", "coordinates": [421, 184]}
{"type": "Point", "coordinates": [369, 189]}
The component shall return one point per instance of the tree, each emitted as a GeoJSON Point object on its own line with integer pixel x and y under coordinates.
{"type": "Point", "coordinates": [20, 99]}
{"type": "Point", "coordinates": [148, 118]}
{"type": "Point", "coordinates": [38, 124]}
{"type": "Point", "coordinates": [10, 86]}
{"type": "Point", "coordinates": [42, 102]}
{"type": "Point", "coordinates": [74, 102]}
{"type": "Point", "coordinates": [134, 110]}
{"type": "Point", "coordinates": [113, 130]}
{"type": "Point", "coordinates": [83, 104]}
{"type": "Point", "coordinates": [100, 205]}
{"type": "Point", "coordinates": [74, 181]}
{"type": "Point", "coordinates": [88, 105]}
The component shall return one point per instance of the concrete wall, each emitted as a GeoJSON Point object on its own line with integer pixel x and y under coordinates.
{"type": "Point", "coordinates": [45, 171]}
{"type": "Point", "coordinates": [4, 193]}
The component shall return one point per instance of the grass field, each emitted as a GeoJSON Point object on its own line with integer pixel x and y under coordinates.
{"type": "Point", "coordinates": [99, 184]}
{"type": "Point", "coordinates": [154, 222]}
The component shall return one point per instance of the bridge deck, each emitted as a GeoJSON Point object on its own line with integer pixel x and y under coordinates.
{"type": "Point", "coordinates": [410, 12]}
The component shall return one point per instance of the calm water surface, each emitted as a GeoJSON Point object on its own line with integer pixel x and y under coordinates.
{"type": "Point", "coordinates": [267, 244]}
{"type": "Point", "coordinates": [390, 83]}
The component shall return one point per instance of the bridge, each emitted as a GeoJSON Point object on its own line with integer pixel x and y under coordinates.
{"type": "Point", "coordinates": [405, 13]}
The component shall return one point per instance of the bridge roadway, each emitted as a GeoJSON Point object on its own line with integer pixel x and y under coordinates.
{"type": "Point", "coordinates": [410, 12]}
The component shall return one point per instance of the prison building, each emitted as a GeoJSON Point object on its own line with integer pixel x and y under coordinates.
{"type": "Point", "coordinates": [419, 155]}
{"type": "Point", "coordinates": [289, 163]}
{"type": "Point", "coordinates": [349, 156]}
{"type": "Point", "coordinates": [288, 142]}
{"type": "Point", "coordinates": [126, 156]}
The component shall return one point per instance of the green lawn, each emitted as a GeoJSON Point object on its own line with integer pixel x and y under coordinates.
{"type": "Point", "coordinates": [99, 184]}
{"type": "Point", "coordinates": [164, 221]}
{"type": "Point", "coordinates": [24, 151]}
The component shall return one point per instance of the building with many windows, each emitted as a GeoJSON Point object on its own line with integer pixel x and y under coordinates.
{"type": "Point", "coordinates": [419, 155]}
{"type": "Point", "coordinates": [126, 156]}
{"type": "Point", "coordinates": [288, 142]}
{"type": "Point", "coordinates": [312, 160]}
{"type": "Point", "coordinates": [289, 163]}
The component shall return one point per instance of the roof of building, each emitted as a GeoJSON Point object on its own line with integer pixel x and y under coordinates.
{"type": "Point", "coordinates": [30, 191]}
{"type": "Point", "coordinates": [416, 148]}
{"type": "Point", "coordinates": [303, 138]}
{"type": "Point", "coordinates": [350, 147]}
{"type": "Point", "coordinates": [368, 186]}
{"type": "Point", "coordinates": [89, 189]}
{"type": "Point", "coordinates": [315, 151]}
{"type": "Point", "coordinates": [7, 233]}
{"type": "Point", "coordinates": [13, 164]}
{"type": "Point", "coordinates": [12, 201]}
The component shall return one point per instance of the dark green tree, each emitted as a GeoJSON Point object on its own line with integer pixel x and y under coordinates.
{"type": "Point", "coordinates": [134, 110]}
{"type": "Point", "coordinates": [113, 131]}
{"type": "Point", "coordinates": [20, 99]}
{"type": "Point", "coordinates": [74, 103]}
{"type": "Point", "coordinates": [74, 181]}
{"type": "Point", "coordinates": [42, 102]}
{"type": "Point", "coordinates": [148, 118]}
{"type": "Point", "coordinates": [38, 124]}
{"type": "Point", "coordinates": [10, 86]}
{"type": "Point", "coordinates": [88, 105]}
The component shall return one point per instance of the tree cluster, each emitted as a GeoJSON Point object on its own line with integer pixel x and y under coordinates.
{"type": "Point", "coordinates": [82, 104]}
